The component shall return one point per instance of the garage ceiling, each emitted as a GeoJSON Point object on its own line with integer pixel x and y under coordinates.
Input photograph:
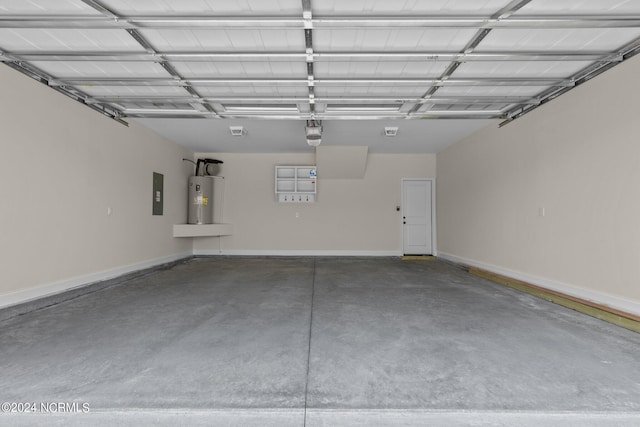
{"type": "Point", "coordinates": [316, 59]}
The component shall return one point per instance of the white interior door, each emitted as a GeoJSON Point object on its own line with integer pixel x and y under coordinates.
{"type": "Point", "coordinates": [416, 217]}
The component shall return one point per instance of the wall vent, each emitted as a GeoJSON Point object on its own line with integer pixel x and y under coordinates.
{"type": "Point", "coordinates": [390, 131]}
{"type": "Point", "coordinates": [237, 130]}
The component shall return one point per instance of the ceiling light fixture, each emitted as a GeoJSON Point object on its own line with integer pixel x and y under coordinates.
{"type": "Point", "coordinates": [313, 132]}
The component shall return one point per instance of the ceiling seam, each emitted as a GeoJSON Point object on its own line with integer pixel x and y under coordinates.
{"type": "Point", "coordinates": [185, 56]}
{"type": "Point", "coordinates": [274, 22]}
{"type": "Point", "coordinates": [168, 81]}
{"type": "Point", "coordinates": [398, 99]}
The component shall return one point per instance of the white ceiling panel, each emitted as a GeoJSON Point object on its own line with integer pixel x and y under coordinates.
{"type": "Point", "coordinates": [414, 69]}
{"type": "Point", "coordinates": [407, 7]}
{"type": "Point", "coordinates": [370, 91]}
{"type": "Point", "coordinates": [34, 39]}
{"type": "Point", "coordinates": [153, 105]}
{"type": "Point", "coordinates": [580, 7]}
{"type": "Point", "coordinates": [385, 40]}
{"type": "Point", "coordinates": [457, 107]}
{"type": "Point", "coordinates": [206, 7]}
{"type": "Point", "coordinates": [141, 91]}
{"type": "Point", "coordinates": [226, 40]}
{"type": "Point", "coordinates": [38, 7]}
{"type": "Point", "coordinates": [99, 69]}
{"type": "Point", "coordinates": [253, 90]}
{"type": "Point", "coordinates": [522, 69]}
{"type": "Point", "coordinates": [242, 69]}
{"type": "Point", "coordinates": [554, 39]}
{"type": "Point", "coordinates": [479, 91]}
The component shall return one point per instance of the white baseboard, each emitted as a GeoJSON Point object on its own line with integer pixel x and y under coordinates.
{"type": "Point", "coordinates": [612, 301]}
{"type": "Point", "coordinates": [80, 281]}
{"type": "Point", "coordinates": [251, 252]}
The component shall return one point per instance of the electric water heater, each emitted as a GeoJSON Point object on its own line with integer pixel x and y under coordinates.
{"type": "Point", "coordinates": [200, 200]}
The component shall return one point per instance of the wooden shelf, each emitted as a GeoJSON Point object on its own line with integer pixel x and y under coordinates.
{"type": "Point", "coordinates": [202, 230]}
{"type": "Point", "coordinates": [296, 184]}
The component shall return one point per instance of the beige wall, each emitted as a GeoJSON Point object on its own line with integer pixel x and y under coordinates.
{"type": "Point", "coordinates": [577, 157]}
{"type": "Point", "coordinates": [61, 166]}
{"type": "Point", "coordinates": [351, 215]}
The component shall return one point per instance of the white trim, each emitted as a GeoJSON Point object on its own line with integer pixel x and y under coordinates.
{"type": "Point", "coordinates": [257, 252]}
{"type": "Point", "coordinates": [80, 281]}
{"type": "Point", "coordinates": [434, 249]}
{"type": "Point", "coordinates": [601, 298]}
{"type": "Point", "coordinates": [329, 417]}
{"type": "Point", "coordinates": [202, 230]}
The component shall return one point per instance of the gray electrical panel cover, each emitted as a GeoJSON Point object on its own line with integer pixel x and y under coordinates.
{"type": "Point", "coordinates": [158, 190]}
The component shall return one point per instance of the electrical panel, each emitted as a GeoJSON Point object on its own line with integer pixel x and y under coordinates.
{"type": "Point", "coordinates": [158, 196]}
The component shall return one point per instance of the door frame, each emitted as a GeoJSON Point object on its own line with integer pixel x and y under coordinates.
{"type": "Point", "coordinates": [433, 213]}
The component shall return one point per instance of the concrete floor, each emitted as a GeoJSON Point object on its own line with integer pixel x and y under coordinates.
{"type": "Point", "coordinates": [234, 341]}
